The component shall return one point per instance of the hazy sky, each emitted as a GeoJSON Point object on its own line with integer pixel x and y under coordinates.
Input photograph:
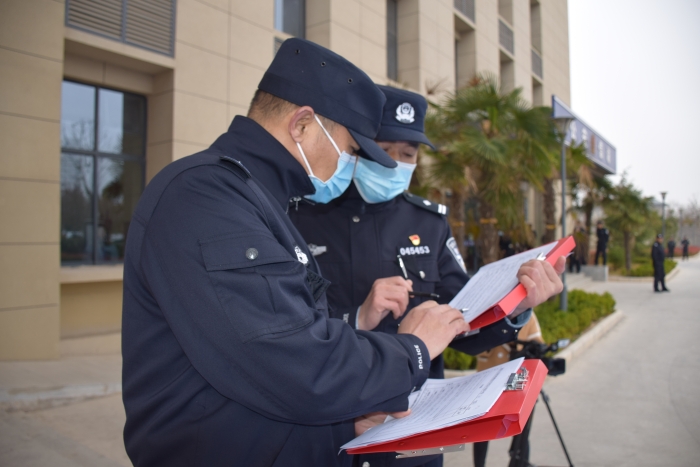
{"type": "Point", "coordinates": [635, 79]}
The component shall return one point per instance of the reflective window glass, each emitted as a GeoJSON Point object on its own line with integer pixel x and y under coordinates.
{"type": "Point", "coordinates": [77, 182]}
{"type": "Point", "coordinates": [120, 183]}
{"type": "Point", "coordinates": [290, 17]}
{"type": "Point", "coordinates": [121, 123]}
{"type": "Point", "coordinates": [77, 116]}
{"type": "Point", "coordinates": [102, 172]}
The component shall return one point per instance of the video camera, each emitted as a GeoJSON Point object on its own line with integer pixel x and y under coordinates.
{"type": "Point", "coordinates": [536, 350]}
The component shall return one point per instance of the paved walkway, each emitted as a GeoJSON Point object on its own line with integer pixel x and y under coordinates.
{"type": "Point", "coordinates": [631, 400]}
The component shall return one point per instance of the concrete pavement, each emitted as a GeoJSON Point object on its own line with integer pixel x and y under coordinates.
{"type": "Point", "coordinates": [630, 400]}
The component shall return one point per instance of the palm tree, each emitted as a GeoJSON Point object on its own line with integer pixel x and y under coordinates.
{"type": "Point", "coordinates": [588, 193]}
{"type": "Point", "coordinates": [488, 142]}
{"type": "Point", "coordinates": [627, 212]}
{"type": "Point", "coordinates": [577, 168]}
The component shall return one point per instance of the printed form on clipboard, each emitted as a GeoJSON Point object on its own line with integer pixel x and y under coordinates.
{"type": "Point", "coordinates": [494, 292]}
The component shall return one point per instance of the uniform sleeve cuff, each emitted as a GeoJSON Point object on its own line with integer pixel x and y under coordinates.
{"type": "Point", "coordinates": [419, 357]}
{"type": "Point", "coordinates": [520, 320]}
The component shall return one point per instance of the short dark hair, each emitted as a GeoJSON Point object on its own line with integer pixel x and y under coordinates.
{"type": "Point", "coordinates": [265, 107]}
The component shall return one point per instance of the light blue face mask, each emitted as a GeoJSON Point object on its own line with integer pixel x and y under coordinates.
{"type": "Point", "coordinates": [339, 181]}
{"type": "Point", "coordinates": [378, 184]}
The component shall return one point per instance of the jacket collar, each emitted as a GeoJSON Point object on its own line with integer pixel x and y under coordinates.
{"type": "Point", "coordinates": [266, 159]}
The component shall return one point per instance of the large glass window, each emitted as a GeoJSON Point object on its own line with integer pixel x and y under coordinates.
{"type": "Point", "coordinates": [102, 171]}
{"type": "Point", "coordinates": [290, 17]}
{"type": "Point", "coordinates": [392, 45]}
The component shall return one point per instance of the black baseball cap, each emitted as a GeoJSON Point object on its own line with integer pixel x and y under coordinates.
{"type": "Point", "coordinates": [305, 73]}
{"type": "Point", "coordinates": [403, 118]}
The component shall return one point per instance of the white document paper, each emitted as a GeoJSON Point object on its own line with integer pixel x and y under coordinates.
{"type": "Point", "coordinates": [493, 282]}
{"type": "Point", "coordinates": [443, 402]}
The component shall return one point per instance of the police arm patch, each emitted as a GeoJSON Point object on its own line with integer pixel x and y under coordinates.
{"type": "Point", "coordinates": [452, 246]}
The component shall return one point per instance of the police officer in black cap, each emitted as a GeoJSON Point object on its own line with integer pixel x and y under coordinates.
{"type": "Point", "coordinates": [385, 250]}
{"type": "Point", "coordinates": [657, 258]}
{"type": "Point", "coordinates": [229, 355]}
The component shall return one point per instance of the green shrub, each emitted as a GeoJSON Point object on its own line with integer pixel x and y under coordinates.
{"type": "Point", "coordinates": [584, 309]}
{"type": "Point", "coordinates": [646, 269]}
{"type": "Point", "coordinates": [616, 257]}
{"type": "Point", "coordinates": [455, 360]}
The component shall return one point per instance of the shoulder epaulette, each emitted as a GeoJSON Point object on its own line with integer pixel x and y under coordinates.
{"type": "Point", "coordinates": [428, 205]}
{"type": "Point", "coordinates": [237, 164]}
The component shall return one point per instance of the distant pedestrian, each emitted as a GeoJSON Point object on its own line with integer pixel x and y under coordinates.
{"type": "Point", "coordinates": [657, 258]}
{"type": "Point", "coordinates": [603, 235]}
{"type": "Point", "coordinates": [579, 255]}
{"type": "Point", "coordinates": [685, 244]}
{"type": "Point", "coordinates": [671, 248]}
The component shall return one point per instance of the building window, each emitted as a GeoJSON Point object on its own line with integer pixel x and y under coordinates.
{"type": "Point", "coordinates": [103, 140]}
{"type": "Point", "coordinates": [392, 44]}
{"type": "Point", "coordinates": [149, 24]}
{"type": "Point", "coordinates": [290, 17]}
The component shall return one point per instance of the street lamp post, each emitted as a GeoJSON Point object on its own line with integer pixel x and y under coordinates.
{"type": "Point", "coordinates": [663, 214]}
{"type": "Point", "coordinates": [563, 298]}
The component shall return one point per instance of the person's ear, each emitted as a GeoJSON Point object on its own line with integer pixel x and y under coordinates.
{"type": "Point", "coordinates": [298, 125]}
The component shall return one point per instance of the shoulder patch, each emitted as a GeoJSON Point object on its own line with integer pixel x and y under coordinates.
{"type": "Point", "coordinates": [237, 163]}
{"type": "Point", "coordinates": [428, 205]}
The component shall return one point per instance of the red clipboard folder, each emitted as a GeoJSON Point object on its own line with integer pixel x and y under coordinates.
{"type": "Point", "coordinates": [506, 418]}
{"type": "Point", "coordinates": [508, 304]}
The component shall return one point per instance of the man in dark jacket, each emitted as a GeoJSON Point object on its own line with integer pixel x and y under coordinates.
{"type": "Point", "coordinates": [657, 258]}
{"type": "Point", "coordinates": [686, 245]}
{"type": "Point", "coordinates": [384, 249]}
{"type": "Point", "coordinates": [603, 235]}
{"type": "Point", "coordinates": [229, 355]}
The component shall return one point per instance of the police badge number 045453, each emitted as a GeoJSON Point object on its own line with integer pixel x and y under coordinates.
{"type": "Point", "coordinates": [405, 113]}
{"type": "Point", "coordinates": [452, 246]}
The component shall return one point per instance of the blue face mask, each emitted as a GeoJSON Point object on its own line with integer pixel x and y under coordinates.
{"type": "Point", "coordinates": [377, 183]}
{"type": "Point", "coordinates": [339, 181]}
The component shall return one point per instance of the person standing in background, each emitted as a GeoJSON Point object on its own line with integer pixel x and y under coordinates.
{"type": "Point", "coordinates": [671, 248]}
{"type": "Point", "coordinates": [603, 235]}
{"type": "Point", "coordinates": [685, 244]}
{"type": "Point", "coordinates": [657, 258]}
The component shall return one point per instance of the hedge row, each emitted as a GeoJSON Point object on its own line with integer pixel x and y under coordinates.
{"type": "Point", "coordinates": [584, 309]}
{"type": "Point", "coordinates": [647, 269]}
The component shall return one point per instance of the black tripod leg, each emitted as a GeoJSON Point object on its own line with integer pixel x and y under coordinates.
{"type": "Point", "coordinates": [545, 398]}
{"type": "Point", "coordinates": [520, 447]}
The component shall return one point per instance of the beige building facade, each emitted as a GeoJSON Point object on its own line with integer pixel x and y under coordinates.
{"type": "Point", "coordinates": [96, 96]}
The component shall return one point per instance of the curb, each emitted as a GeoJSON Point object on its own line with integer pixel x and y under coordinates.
{"type": "Point", "coordinates": [28, 399]}
{"type": "Point", "coordinates": [574, 350]}
{"type": "Point", "coordinates": [670, 276]}
{"type": "Point", "coordinates": [591, 336]}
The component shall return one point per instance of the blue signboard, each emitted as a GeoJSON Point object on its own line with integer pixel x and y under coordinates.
{"type": "Point", "coordinates": [598, 149]}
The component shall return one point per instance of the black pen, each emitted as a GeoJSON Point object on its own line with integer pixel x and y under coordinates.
{"type": "Point", "coordinates": [405, 276]}
{"type": "Point", "coordinates": [424, 294]}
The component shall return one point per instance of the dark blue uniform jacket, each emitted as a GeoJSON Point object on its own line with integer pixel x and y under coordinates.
{"type": "Point", "coordinates": [230, 357]}
{"type": "Point", "coordinates": [357, 243]}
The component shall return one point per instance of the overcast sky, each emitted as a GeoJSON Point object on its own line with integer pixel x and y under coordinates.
{"type": "Point", "coordinates": [635, 79]}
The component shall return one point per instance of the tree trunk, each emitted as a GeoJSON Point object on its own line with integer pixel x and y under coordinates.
{"type": "Point", "coordinates": [627, 238]}
{"type": "Point", "coordinates": [457, 219]}
{"type": "Point", "coordinates": [588, 212]}
{"type": "Point", "coordinates": [549, 206]}
{"type": "Point", "coordinates": [488, 237]}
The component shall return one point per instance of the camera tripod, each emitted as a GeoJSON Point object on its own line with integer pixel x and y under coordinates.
{"type": "Point", "coordinates": [520, 448]}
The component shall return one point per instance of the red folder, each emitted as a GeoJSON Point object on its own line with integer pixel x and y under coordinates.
{"type": "Point", "coordinates": [508, 303]}
{"type": "Point", "coordinates": [506, 418]}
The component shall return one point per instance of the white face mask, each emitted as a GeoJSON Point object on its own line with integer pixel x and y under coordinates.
{"type": "Point", "coordinates": [341, 178]}
{"type": "Point", "coordinates": [378, 184]}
